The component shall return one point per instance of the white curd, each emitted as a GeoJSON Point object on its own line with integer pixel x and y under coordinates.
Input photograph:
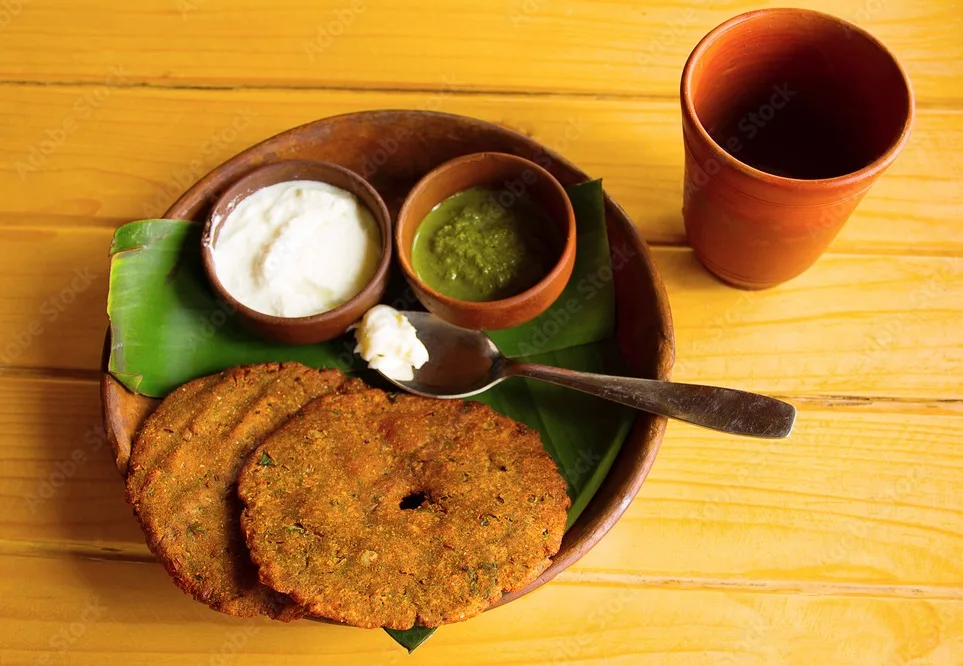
{"type": "Point", "coordinates": [389, 343]}
{"type": "Point", "coordinates": [296, 249]}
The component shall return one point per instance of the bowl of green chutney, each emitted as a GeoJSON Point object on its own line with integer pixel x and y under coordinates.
{"type": "Point", "coordinates": [487, 240]}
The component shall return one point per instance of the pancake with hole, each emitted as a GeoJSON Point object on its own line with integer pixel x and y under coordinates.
{"type": "Point", "coordinates": [383, 510]}
{"type": "Point", "coordinates": [183, 475]}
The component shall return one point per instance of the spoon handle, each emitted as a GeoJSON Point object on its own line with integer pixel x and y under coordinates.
{"type": "Point", "coordinates": [728, 410]}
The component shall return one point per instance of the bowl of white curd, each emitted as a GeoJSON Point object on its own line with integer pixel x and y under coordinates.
{"type": "Point", "coordinates": [300, 249]}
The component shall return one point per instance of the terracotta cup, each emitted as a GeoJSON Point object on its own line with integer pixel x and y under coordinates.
{"type": "Point", "coordinates": [788, 117]}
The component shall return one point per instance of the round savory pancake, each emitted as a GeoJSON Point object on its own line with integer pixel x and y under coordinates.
{"type": "Point", "coordinates": [183, 475]}
{"type": "Point", "coordinates": [380, 510]}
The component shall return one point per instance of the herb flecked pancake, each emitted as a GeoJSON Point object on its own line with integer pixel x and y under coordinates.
{"type": "Point", "coordinates": [383, 510]}
{"type": "Point", "coordinates": [183, 474]}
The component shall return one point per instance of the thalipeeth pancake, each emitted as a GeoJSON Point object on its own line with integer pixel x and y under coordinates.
{"type": "Point", "coordinates": [183, 474]}
{"type": "Point", "coordinates": [384, 511]}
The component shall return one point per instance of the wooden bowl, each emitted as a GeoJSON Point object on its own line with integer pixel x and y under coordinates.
{"type": "Point", "coordinates": [325, 325]}
{"type": "Point", "coordinates": [512, 177]}
{"type": "Point", "coordinates": [393, 150]}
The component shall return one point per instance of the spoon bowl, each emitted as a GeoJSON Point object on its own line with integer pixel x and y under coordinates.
{"type": "Point", "coordinates": [462, 363]}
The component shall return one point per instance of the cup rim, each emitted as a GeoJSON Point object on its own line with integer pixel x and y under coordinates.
{"type": "Point", "coordinates": [404, 256]}
{"type": "Point", "coordinates": [380, 214]}
{"type": "Point", "coordinates": [867, 172]}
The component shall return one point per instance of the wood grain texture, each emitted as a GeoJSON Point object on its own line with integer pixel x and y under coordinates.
{"type": "Point", "coordinates": [860, 325]}
{"type": "Point", "coordinates": [618, 47]}
{"type": "Point", "coordinates": [891, 321]}
{"type": "Point", "coordinates": [92, 155]}
{"type": "Point", "coordinates": [84, 612]}
{"type": "Point", "coordinates": [717, 511]}
{"type": "Point", "coordinates": [53, 296]}
{"type": "Point", "coordinates": [841, 545]}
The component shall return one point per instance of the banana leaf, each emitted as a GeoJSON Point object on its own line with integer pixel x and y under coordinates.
{"type": "Point", "coordinates": [168, 327]}
{"type": "Point", "coordinates": [585, 311]}
{"type": "Point", "coordinates": [166, 324]}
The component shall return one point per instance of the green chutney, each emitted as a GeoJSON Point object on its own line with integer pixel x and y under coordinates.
{"type": "Point", "coordinates": [473, 248]}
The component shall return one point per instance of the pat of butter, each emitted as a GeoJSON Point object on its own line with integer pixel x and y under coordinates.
{"type": "Point", "coordinates": [389, 343]}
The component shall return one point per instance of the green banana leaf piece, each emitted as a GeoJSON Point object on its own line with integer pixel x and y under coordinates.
{"type": "Point", "coordinates": [585, 311]}
{"type": "Point", "coordinates": [168, 327]}
{"type": "Point", "coordinates": [411, 638]}
{"type": "Point", "coordinates": [166, 324]}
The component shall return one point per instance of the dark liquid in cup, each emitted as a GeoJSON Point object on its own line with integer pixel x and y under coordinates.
{"type": "Point", "coordinates": [794, 141]}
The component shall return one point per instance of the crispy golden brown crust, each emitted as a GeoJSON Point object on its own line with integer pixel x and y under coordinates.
{"type": "Point", "coordinates": [184, 465]}
{"type": "Point", "coordinates": [325, 523]}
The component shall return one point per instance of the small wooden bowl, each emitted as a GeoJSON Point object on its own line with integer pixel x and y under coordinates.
{"type": "Point", "coordinates": [325, 325]}
{"type": "Point", "coordinates": [514, 177]}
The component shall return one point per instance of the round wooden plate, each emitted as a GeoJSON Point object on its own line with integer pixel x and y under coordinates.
{"type": "Point", "coordinates": [393, 150]}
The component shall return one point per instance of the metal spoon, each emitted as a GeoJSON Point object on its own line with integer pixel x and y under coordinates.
{"type": "Point", "coordinates": [463, 363]}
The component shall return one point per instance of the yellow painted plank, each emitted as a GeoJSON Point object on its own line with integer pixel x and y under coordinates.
{"type": "Point", "coordinates": [58, 482]}
{"type": "Point", "coordinates": [866, 494]}
{"type": "Point", "coordinates": [620, 47]}
{"type": "Point", "coordinates": [53, 296]}
{"type": "Point", "coordinates": [100, 156]}
{"type": "Point", "coordinates": [87, 612]}
{"type": "Point", "coordinates": [860, 495]}
{"type": "Point", "coordinates": [855, 325]}
{"type": "Point", "coordinates": [865, 325]}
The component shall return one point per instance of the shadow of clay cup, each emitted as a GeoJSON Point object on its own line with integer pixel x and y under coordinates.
{"type": "Point", "coordinates": [788, 116]}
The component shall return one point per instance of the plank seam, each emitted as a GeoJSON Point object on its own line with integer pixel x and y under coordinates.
{"type": "Point", "coordinates": [54, 374]}
{"type": "Point", "coordinates": [951, 105]}
{"type": "Point", "coordinates": [76, 551]}
{"type": "Point", "coordinates": [814, 588]}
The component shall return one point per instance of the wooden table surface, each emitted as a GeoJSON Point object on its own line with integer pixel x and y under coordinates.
{"type": "Point", "coordinates": [841, 545]}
